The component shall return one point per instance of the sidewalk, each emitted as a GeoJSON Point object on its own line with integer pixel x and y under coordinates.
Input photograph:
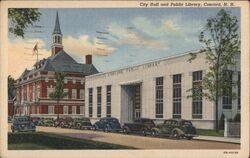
{"type": "Point", "coordinates": [218, 139]}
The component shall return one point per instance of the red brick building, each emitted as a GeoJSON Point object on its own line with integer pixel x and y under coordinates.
{"type": "Point", "coordinates": [34, 86]}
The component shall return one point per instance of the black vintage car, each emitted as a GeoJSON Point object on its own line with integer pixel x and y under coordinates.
{"type": "Point", "coordinates": [22, 124]}
{"type": "Point", "coordinates": [141, 125]}
{"type": "Point", "coordinates": [82, 123]}
{"type": "Point", "coordinates": [36, 120]}
{"type": "Point", "coordinates": [65, 122]}
{"type": "Point", "coordinates": [176, 128]}
{"type": "Point", "coordinates": [108, 124]}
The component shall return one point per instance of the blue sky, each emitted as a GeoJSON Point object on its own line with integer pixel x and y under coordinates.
{"type": "Point", "coordinates": [135, 35]}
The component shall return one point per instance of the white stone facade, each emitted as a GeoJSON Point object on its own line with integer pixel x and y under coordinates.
{"type": "Point", "coordinates": [145, 75]}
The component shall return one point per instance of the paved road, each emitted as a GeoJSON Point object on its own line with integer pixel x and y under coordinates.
{"type": "Point", "coordinates": [138, 141]}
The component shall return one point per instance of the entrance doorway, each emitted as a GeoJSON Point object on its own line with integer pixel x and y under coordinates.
{"type": "Point", "coordinates": [130, 102]}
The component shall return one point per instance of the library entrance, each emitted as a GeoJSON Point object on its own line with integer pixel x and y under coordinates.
{"type": "Point", "coordinates": [130, 102]}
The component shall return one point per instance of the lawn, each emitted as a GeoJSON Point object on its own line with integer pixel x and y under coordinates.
{"type": "Point", "coordinates": [28, 146]}
{"type": "Point", "coordinates": [207, 132]}
{"type": "Point", "coordinates": [40, 140]}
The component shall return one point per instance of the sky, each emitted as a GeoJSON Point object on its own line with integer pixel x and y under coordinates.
{"type": "Point", "coordinates": [129, 35]}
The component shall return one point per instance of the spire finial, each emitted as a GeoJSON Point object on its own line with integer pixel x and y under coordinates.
{"type": "Point", "coordinates": [57, 29]}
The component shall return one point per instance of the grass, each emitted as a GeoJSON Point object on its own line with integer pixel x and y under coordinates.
{"type": "Point", "coordinates": [28, 146]}
{"type": "Point", "coordinates": [208, 132]}
{"type": "Point", "coordinates": [40, 140]}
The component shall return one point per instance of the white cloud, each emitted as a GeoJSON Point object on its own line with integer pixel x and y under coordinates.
{"type": "Point", "coordinates": [20, 55]}
{"type": "Point", "coordinates": [123, 35]}
{"type": "Point", "coordinates": [81, 46]}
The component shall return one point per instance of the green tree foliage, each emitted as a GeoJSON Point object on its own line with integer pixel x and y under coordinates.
{"type": "Point", "coordinates": [21, 18]}
{"type": "Point", "coordinates": [58, 93]}
{"type": "Point", "coordinates": [11, 87]}
{"type": "Point", "coordinates": [221, 42]}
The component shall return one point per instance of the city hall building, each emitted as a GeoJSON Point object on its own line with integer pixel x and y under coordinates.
{"type": "Point", "coordinates": [158, 90]}
{"type": "Point", "coordinates": [33, 87]}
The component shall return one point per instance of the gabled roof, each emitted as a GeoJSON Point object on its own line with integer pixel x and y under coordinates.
{"type": "Point", "coordinates": [62, 62]}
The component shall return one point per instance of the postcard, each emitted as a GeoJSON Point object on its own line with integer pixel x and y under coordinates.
{"type": "Point", "coordinates": [124, 79]}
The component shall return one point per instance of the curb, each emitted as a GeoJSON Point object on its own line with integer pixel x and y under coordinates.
{"type": "Point", "coordinates": [221, 141]}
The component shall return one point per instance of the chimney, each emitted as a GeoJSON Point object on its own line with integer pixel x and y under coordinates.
{"type": "Point", "coordinates": [88, 59]}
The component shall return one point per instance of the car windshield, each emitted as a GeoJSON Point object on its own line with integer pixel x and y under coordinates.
{"type": "Point", "coordinates": [85, 119]}
{"type": "Point", "coordinates": [186, 123]}
{"type": "Point", "coordinates": [147, 121]}
{"type": "Point", "coordinates": [113, 120]}
{"type": "Point", "coordinates": [23, 119]}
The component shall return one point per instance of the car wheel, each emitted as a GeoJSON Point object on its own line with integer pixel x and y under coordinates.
{"type": "Point", "coordinates": [106, 129]}
{"type": "Point", "coordinates": [144, 132]}
{"type": "Point", "coordinates": [175, 134]}
{"type": "Point", "coordinates": [154, 133]}
{"type": "Point", "coordinates": [125, 130]}
{"type": "Point", "coordinates": [95, 127]}
{"type": "Point", "coordinates": [78, 126]}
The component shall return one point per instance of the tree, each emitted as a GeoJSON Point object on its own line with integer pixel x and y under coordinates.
{"type": "Point", "coordinates": [58, 93]}
{"type": "Point", "coordinates": [11, 87]}
{"type": "Point", "coordinates": [21, 19]}
{"type": "Point", "coordinates": [221, 45]}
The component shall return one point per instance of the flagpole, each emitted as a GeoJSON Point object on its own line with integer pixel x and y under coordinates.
{"type": "Point", "coordinates": [37, 55]}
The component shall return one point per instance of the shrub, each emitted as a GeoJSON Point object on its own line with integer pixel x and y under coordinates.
{"type": "Point", "coordinates": [222, 122]}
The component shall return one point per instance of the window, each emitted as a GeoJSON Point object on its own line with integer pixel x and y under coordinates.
{"type": "Point", "coordinates": [227, 91]}
{"type": "Point", "coordinates": [90, 102]}
{"type": "Point", "coordinates": [73, 95]}
{"type": "Point", "coordinates": [65, 109]}
{"type": "Point", "coordinates": [82, 110]}
{"type": "Point", "coordinates": [37, 110]}
{"type": "Point", "coordinates": [60, 40]}
{"type": "Point", "coordinates": [37, 92]}
{"type": "Point", "coordinates": [50, 109]}
{"type": "Point", "coordinates": [108, 103]}
{"type": "Point", "coordinates": [159, 97]}
{"type": "Point", "coordinates": [99, 101]}
{"type": "Point", "coordinates": [197, 98]}
{"type": "Point", "coordinates": [49, 90]}
{"type": "Point", "coordinates": [65, 81]}
{"type": "Point", "coordinates": [238, 89]}
{"type": "Point", "coordinates": [66, 91]}
{"type": "Point", "coordinates": [177, 96]}
{"type": "Point", "coordinates": [73, 109]}
{"type": "Point", "coordinates": [81, 93]}
{"type": "Point", "coordinates": [33, 92]}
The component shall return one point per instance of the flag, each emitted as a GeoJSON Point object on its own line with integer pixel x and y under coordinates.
{"type": "Point", "coordinates": [35, 49]}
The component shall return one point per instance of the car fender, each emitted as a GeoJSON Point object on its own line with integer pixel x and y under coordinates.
{"type": "Point", "coordinates": [179, 131]}
{"type": "Point", "coordinates": [127, 127]}
{"type": "Point", "coordinates": [155, 129]}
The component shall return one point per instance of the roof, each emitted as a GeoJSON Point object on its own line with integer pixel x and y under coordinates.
{"type": "Point", "coordinates": [148, 62]}
{"type": "Point", "coordinates": [57, 29]}
{"type": "Point", "coordinates": [61, 62]}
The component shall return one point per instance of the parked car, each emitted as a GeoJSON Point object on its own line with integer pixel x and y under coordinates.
{"type": "Point", "coordinates": [22, 124]}
{"type": "Point", "coordinates": [35, 120]}
{"type": "Point", "coordinates": [66, 122]}
{"type": "Point", "coordinates": [82, 123]}
{"type": "Point", "coordinates": [47, 122]}
{"type": "Point", "coordinates": [58, 122]}
{"type": "Point", "coordinates": [176, 128]}
{"type": "Point", "coordinates": [108, 124]}
{"type": "Point", "coordinates": [9, 119]}
{"type": "Point", "coordinates": [141, 125]}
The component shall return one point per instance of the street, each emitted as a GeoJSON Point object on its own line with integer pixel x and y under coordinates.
{"type": "Point", "coordinates": [137, 141]}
